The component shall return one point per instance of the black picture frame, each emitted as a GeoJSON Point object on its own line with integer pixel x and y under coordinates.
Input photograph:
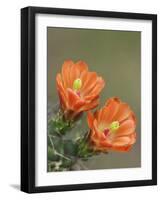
{"type": "Point", "coordinates": [28, 98]}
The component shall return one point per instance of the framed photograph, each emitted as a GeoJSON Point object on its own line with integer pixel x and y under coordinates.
{"type": "Point", "coordinates": [88, 99]}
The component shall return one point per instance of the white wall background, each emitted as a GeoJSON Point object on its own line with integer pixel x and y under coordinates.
{"type": "Point", "coordinates": [10, 99]}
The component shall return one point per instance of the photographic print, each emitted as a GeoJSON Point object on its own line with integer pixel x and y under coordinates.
{"type": "Point", "coordinates": [94, 102]}
{"type": "Point", "coordinates": [88, 99]}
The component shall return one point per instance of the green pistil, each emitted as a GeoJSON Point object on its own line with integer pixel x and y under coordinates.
{"type": "Point", "coordinates": [77, 84]}
{"type": "Point", "coordinates": [114, 126]}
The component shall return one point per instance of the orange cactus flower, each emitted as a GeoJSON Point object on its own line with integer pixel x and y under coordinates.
{"type": "Point", "coordinates": [112, 128]}
{"type": "Point", "coordinates": [78, 88]}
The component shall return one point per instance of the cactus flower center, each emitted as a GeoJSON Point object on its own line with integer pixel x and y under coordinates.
{"type": "Point", "coordinates": [114, 126]}
{"type": "Point", "coordinates": [77, 84]}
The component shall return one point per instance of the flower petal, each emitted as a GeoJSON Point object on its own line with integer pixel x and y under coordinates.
{"type": "Point", "coordinates": [116, 99]}
{"type": "Point", "coordinates": [123, 112]}
{"type": "Point", "coordinates": [73, 74]}
{"type": "Point", "coordinates": [121, 148]}
{"type": "Point", "coordinates": [133, 138]}
{"type": "Point", "coordinates": [59, 83]}
{"type": "Point", "coordinates": [72, 98]}
{"type": "Point", "coordinates": [91, 105]}
{"type": "Point", "coordinates": [99, 134]}
{"type": "Point", "coordinates": [78, 105]}
{"type": "Point", "coordinates": [126, 128]}
{"type": "Point", "coordinates": [121, 141]}
{"type": "Point", "coordinates": [81, 66]}
{"type": "Point", "coordinates": [98, 86]}
{"type": "Point", "coordinates": [66, 71]}
{"type": "Point", "coordinates": [90, 119]}
{"type": "Point", "coordinates": [90, 79]}
{"type": "Point", "coordinates": [109, 112]}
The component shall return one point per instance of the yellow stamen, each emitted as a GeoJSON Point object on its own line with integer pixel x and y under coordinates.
{"type": "Point", "coordinates": [77, 84]}
{"type": "Point", "coordinates": [114, 126]}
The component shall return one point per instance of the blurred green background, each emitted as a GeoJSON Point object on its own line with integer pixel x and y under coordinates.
{"type": "Point", "coordinates": [114, 55]}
